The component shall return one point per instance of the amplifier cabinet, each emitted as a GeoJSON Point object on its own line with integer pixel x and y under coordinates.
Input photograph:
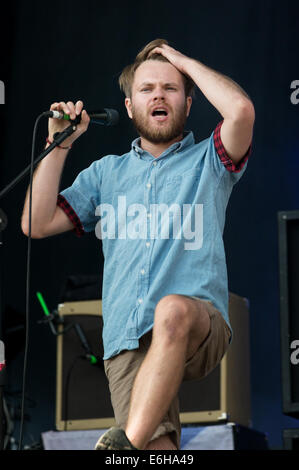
{"type": "Point", "coordinates": [82, 391]}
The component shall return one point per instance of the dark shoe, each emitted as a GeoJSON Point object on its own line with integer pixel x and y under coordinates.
{"type": "Point", "coordinates": [114, 439]}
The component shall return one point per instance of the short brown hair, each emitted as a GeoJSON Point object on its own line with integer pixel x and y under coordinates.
{"type": "Point", "coordinates": [127, 76]}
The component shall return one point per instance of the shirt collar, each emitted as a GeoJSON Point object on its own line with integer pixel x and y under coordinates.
{"type": "Point", "coordinates": [187, 140]}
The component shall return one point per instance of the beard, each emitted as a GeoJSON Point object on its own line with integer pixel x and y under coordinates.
{"type": "Point", "coordinates": [160, 133]}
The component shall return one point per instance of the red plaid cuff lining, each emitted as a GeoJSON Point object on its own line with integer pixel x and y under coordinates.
{"type": "Point", "coordinates": [226, 160]}
{"type": "Point", "coordinates": [67, 208]}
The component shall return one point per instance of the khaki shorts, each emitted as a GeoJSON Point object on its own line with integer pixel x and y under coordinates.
{"type": "Point", "coordinates": [121, 371]}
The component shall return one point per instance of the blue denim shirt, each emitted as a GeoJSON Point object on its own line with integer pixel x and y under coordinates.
{"type": "Point", "coordinates": [151, 255]}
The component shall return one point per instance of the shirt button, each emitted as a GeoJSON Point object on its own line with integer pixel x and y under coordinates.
{"type": "Point", "coordinates": [148, 185]}
{"type": "Point", "coordinates": [140, 301]}
{"type": "Point", "coordinates": [148, 214]}
{"type": "Point", "coordinates": [142, 271]}
{"type": "Point", "coordinates": [155, 163]}
{"type": "Point", "coordinates": [147, 244]}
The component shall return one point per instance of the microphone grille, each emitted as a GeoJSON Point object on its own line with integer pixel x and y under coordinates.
{"type": "Point", "coordinates": [113, 116]}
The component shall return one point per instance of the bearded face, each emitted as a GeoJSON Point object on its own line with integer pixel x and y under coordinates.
{"type": "Point", "coordinates": [160, 125]}
{"type": "Point", "coordinates": [158, 105]}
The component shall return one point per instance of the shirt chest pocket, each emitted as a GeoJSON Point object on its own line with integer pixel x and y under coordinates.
{"type": "Point", "coordinates": [181, 189]}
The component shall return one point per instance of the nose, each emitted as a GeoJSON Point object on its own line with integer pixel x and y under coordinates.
{"type": "Point", "coordinates": [159, 94]}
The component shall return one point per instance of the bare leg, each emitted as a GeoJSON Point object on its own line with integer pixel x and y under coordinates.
{"type": "Point", "coordinates": [181, 324]}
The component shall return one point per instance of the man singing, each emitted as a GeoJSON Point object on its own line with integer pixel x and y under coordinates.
{"type": "Point", "coordinates": [164, 298]}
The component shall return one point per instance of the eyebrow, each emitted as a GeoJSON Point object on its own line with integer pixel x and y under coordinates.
{"type": "Point", "coordinates": [151, 84]}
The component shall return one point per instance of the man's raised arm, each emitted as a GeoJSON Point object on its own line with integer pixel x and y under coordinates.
{"type": "Point", "coordinates": [225, 95]}
{"type": "Point", "coordinates": [47, 218]}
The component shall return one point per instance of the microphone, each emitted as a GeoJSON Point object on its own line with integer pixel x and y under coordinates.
{"type": "Point", "coordinates": [105, 116]}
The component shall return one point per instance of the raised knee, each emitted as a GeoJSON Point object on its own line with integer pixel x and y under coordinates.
{"type": "Point", "coordinates": [173, 316]}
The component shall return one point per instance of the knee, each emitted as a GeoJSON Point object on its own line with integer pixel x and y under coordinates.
{"type": "Point", "coordinates": [173, 316]}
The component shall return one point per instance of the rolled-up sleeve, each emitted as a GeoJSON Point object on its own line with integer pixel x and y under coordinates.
{"type": "Point", "coordinates": [224, 158]}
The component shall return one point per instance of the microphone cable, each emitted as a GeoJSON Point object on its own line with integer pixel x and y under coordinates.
{"type": "Point", "coordinates": [28, 283]}
{"type": "Point", "coordinates": [111, 116]}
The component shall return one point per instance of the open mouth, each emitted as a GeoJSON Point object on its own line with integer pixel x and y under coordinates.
{"type": "Point", "coordinates": [160, 114]}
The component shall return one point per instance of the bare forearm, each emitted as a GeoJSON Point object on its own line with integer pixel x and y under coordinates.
{"type": "Point", "coordinates": [45, 189]}
{"type": "Point", "coordinates": [222, 92]}
{"type": "Point", "coordinates": [46, 178]}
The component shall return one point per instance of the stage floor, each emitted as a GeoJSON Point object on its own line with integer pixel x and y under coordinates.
{"type": "Point", "coordinates": [217, 437]}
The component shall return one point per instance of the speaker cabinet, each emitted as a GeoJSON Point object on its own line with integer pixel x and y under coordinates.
{"type": "Point", "coordinates": [82, 392]}
{"type": "Point", "coordinates": [224, 394]}
{"type": "Point", "coordinates": [83, 398]}
{"type": "Point", "coordinates": [288, 235]}
{"type": "Point", "coordinates": [291, 439]}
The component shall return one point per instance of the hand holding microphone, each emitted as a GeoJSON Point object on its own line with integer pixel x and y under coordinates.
{"type": "Point", "coordinates": [63, 112]}
{"type": "Point", "coordinates": [58, 125]}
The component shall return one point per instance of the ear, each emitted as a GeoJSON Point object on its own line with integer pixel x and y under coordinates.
{"type": "Point", "coordinates": [189, 103]}
{"type": "Point", "coordinates": [128, 105]}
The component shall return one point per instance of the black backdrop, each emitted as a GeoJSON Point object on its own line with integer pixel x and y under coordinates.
{"type": "Point", "coordinates": [75, 50]}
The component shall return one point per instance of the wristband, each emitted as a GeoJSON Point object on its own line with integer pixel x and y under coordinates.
{"type": "Point", "coordinates": [59, 146]}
